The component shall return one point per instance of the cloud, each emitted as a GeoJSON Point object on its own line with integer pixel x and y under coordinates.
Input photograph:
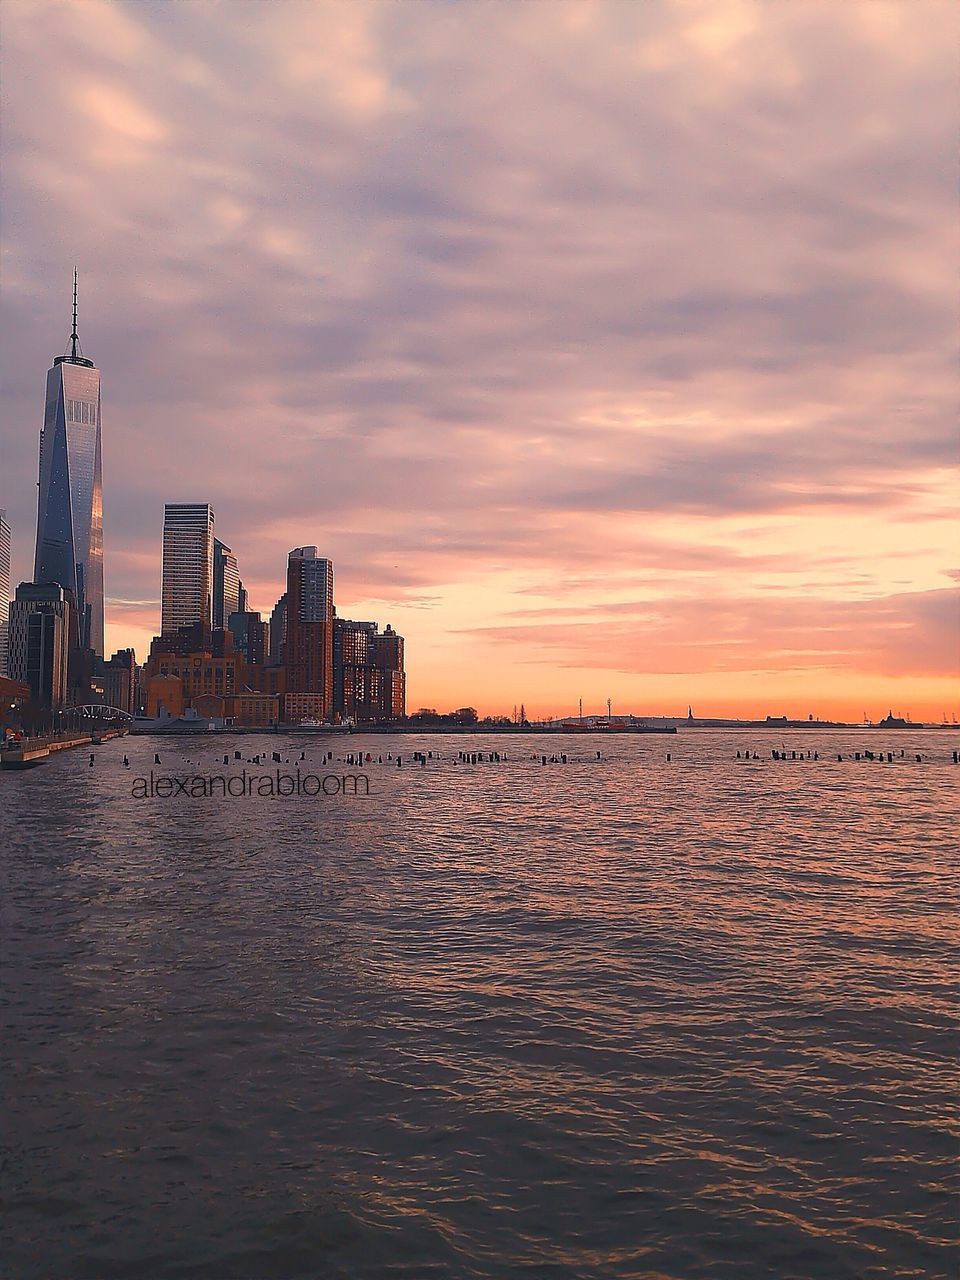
{"type": "Point", "coordinates": [496, 298]}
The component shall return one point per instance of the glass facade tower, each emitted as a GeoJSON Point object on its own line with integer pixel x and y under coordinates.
{"type": "Point", "coordinates": [70, 507]}
{"type": "Point", "coordinates": [226, 584]}
{"type": "Point", "coordinates": [186, 594]}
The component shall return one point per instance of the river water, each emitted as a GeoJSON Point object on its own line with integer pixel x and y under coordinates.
{"type": "Point", "coordinates": [624, 1017]}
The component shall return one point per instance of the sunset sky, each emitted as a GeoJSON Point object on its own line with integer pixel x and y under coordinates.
{"type": "Point", "coordinates": [607, 348]}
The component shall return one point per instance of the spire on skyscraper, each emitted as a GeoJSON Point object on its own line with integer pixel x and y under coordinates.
{"type": "Point", "coordinates": [76, 355]}
{"type": "Point", "coordinates": [74, 337]}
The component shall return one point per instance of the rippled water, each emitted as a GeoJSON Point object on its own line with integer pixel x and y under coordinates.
{"type": "Point", "coordinates": [627, 1018]}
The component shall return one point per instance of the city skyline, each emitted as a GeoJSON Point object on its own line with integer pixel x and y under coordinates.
{"type": "Point", "coordinates": [571, 434]}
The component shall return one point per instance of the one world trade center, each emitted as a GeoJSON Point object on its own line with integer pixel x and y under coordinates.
{"type": "Point", "coordinates": [70, 507]}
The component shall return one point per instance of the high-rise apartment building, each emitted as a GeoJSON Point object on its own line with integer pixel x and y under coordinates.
{"type": "Point", "coordinates": [368, 677]}
{"type": "Point", "coordinates": [226, 584]}
{"type": "Point", "coordinates": [4, 588]}
{"type": "Point", "coordinates": [351, 668]}
{"type": "Point", "coordinates": [187, 591]}
{"type": "Point", "coordinates": [387, 658]}
{"type": "Point", "coordinates": [308, 648]}
{"type": "Point", "coordinates": [70, 506]}
{"type": "Point", "coordinates": [40, 641]}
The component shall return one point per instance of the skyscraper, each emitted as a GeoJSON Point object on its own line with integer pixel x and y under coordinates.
{"type": "Point", "coordinates": [308, 649]}
{"type": "Point", "coordinates": [278, 630]}
{"type": "Point", "coordinates": [226, 584]}
{"type": "Point", "coordinates": [187, 592]}
{"type": "Point", "coordinates": [4, 587]}
{"type": "Point", "coordinates": [70, 508]}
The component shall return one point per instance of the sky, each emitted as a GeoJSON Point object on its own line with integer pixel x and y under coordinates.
{"type": "Point", "coordinates": [607, 347]}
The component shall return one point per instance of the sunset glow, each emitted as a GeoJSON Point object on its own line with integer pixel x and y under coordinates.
{"type": "Point", "coordinates": [607, 349]}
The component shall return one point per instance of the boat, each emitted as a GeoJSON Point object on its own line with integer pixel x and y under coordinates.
{"type": "Point", "coordinates": [22, 755]}
{"type": "Point", "coordinates": [317, 726]}
{"type": "Point", "coordinates": [890, 721]}
{"type": "Point", "coordinates": [189, 722]}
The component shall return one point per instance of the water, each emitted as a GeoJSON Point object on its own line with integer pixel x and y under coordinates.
{"type": "Point", "coordinates": [619, 1019]}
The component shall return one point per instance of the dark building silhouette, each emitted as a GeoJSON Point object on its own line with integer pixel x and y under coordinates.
{"type": "Point", "coordinates": [249, 633]}
{"type": "Point", "coordinates": [278, 630]}
{"type": "Point", "coordinates": [195, 637]}
{"type": "Point", "coordinates": [42, 628]}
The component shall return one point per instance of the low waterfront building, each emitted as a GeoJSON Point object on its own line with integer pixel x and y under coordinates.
{"type": "Point", "coordinates": [215, 669]}
{"type": "Point", "coordinates": [305, 706]}
{"type": "Point", "coordinates": [162, 694]}
{"type": "Point", "coordinates": [253, 710]}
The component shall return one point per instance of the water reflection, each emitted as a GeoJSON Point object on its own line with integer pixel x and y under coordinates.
{"type": "Point", "coordinates": [619, 1018]}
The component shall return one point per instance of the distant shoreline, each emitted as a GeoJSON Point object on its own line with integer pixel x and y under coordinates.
{"type": "Point", "coordinates": [516, 730]}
